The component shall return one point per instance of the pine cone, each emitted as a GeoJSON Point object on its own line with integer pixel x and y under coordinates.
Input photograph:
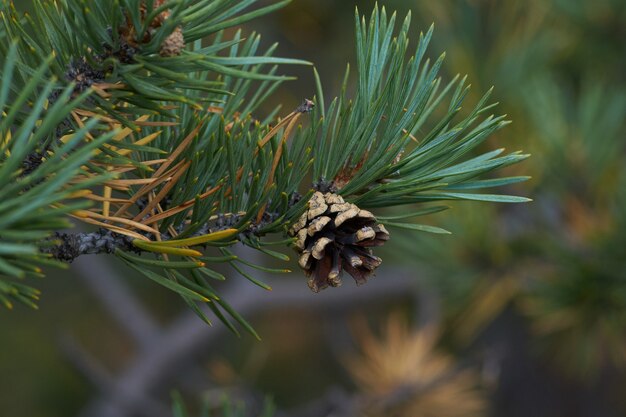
{"type": "Point", "coordinates": [173, 44]}
{"type": "Point", "coordinates": [334, 236]}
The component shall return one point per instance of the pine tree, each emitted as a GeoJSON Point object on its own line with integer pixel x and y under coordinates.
{"type": "Point", "coordinates": [143, 118]}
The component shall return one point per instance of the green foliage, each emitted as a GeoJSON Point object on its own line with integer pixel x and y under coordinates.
{"type": "Point", "coordinates": [34, 202]}
{"type": "Point", "coordinates": [196, 168]}
{"type": "Point", "coordinates": [118, 45]}
{"type": "Point", "coordinates": [379, 124]}
{"type": "Point", "coordinates": [370, 131]}
{"type": "Point", "coordinates": [386, 139]}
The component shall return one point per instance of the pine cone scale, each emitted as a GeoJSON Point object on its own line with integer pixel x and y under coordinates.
{"type": "Point", "coordinates": [346, 215]}
{"type": "Point", "coordinates": [317, 225]}
{"type": "Point", "coordinates": [333, 236]}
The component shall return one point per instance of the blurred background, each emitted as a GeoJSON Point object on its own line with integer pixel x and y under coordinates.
{"type": "Point", "coordinates": [520, 312]}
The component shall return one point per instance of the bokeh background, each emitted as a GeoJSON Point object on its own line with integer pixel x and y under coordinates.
{"type": "Point", "coordinates": [521, 312]}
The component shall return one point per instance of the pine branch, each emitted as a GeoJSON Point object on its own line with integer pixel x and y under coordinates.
{"type": "Point", "coordinates": [168, 156]}
{"type": "Point", "coordinates": [71, 246]}
{"type": "Point", "coordinates": [67, 247]}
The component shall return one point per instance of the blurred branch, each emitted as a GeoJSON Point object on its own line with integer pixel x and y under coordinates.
{"type": "Point", "coordinates": [188, 335]}
{"type": "Point", "coordinates": [386, 404]}
{"type": "Point", "coordinates": [104, 381]}
{"type": "Point", "coordinates": [84, 362]}
{"type": "Point", "coordinates": [336, 402]}
{"type": "Point", "coordinates": [102, 280]}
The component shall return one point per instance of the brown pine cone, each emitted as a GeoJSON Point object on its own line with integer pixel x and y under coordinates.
{"type": "Point", "coordinates": [333, 236]}
{"type": "Point", "coordinates": [173, 44]}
